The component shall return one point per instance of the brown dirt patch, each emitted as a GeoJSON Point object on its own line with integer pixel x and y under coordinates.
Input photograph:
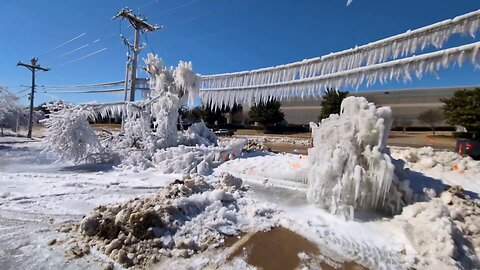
{"type": "Point", "coordinates": [278, 249]}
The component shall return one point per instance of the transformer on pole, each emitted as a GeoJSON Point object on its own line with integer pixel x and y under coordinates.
{"type": "Point", "coordinates": [140, 25]}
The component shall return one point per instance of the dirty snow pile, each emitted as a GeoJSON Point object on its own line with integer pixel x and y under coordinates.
{"type": "Point", "coordinates": [350, 167]}
{"type": "Point", "coordinates": [443, 233]}
{"type": "Point", "coordinates": [426, 158]}
{"type": "Point", "coordinates": [150, 133]}
{"type": "Point", "coordinates": [187, 217]}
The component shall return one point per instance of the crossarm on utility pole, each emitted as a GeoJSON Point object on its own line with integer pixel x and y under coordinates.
{"type": "Point", "coordinates": [140, 25]}
{"type": "Point", "coordinates": [32, 67]}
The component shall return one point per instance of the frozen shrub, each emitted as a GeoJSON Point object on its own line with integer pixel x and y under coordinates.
{"type": "Point", "coordinates": [70, 135]}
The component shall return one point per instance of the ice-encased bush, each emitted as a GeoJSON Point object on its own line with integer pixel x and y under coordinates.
{"type": "Point", "coordinates": [70, 135]}
{"type": "Point", "coordinates": [350, 165]}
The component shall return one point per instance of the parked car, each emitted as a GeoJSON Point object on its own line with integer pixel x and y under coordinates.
{"type": "Point", "coordinates": [470, 147]}
{"type": "Point", "coordinates": [224, 132]}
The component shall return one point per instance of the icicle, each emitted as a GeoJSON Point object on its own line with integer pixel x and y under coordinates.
{"type": "Point", "coordinates": [373, 53]}
{"type": "Point", "coordinates": [397, 69]}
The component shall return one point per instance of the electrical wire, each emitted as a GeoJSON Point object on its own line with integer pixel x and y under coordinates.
{"type": "Point", "coordinates": [68, 53]}
{"type": "Point", "coordinates": [84, 91]}
{"type": "Point", "coordinates": [83, 86]}
{"type": "Point", "coordinates": [83, 57]}
{"type": "Point", "coordinates": [178, 7]}
{"type": "Point", "coordinates": [148, 44]}
{"type": "Point", "coordinates": [63, 44]}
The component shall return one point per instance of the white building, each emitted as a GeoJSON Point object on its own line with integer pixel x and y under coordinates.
{"type": "Point", "coordinates": [406, 104]}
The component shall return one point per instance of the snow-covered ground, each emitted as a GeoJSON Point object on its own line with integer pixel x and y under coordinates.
{"type": "Point", "coordinates": [40, 197]}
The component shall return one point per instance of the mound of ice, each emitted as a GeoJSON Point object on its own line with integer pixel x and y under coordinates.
{"type": "Point", "coordinates": [187, 217]}
{"type": "Point", "coordinates": [350, 166]}
{"type": "Point", "coordinates": [196, 159]}
{"type": "Point", "coordinates": [200, 134]}
{"type": "Point", "coordinates": [440, 160]}
{"type": "Point", "coordinates": [442, 233]}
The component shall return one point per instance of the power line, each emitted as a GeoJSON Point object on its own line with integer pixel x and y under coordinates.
{"type": "Point", "coordinates": [83, 85]}
{"type": "Point", "coordinates": [179, 7]}
{"type": "Point", "coordinates": [83, 57]}
{"type": "Point", "coordinates": [26, 89]}
{"type": "Point", "coordinates": [88, 91]}
{"type": "Point", "coordinates": [68, 53]}
{"type": "Point", "coordinates": [63, 44]}
{"type": "Point", "coordinates": [84, 91]}
{"type": "Point", "coordinates": [148, 44]}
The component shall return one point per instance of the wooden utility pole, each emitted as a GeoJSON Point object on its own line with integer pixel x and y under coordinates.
{"type": "Point", "coordinates": [32, 67]}
{"type": "Point", "coordinates": [140, 25]}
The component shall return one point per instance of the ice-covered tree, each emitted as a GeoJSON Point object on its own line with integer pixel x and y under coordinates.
{"type": "Point", "coordinates": [12, 114]}
{"type": "Point", "coordinates": [150, 136]}
{"type": "Point", "coordinates": [69, 133]}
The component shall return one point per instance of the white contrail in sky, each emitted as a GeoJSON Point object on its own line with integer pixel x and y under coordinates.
{"type": "Point", "coordinates": [349, 2]}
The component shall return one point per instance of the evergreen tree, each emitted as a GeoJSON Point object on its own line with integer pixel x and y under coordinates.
{"type": "Point", "coordinates": [463, 109]}
{"type": "Point", "coordinates": [266, 113]}
{"type": "Point", "coordinates": [331, 103]}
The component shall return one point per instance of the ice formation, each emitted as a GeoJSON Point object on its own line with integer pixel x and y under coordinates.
{"type": "Point", "coordinates": [350, 167]}
{"type": "Point", "coordinates": [298, 86]}
{"type": "Point", "coordinates": [150, 136]}
{"type": "Point", "coordinates": [12, 114]}
{"type": "Point", "coordinates": [375, 61]}
{"type": "Point", "coordinates": [372, 53]}
{"type": "Point", "coordinates": [426, 158]}
{"type": "Point", "coordinates": [442, 233]}
{"type": "Point", "coordinates": [70, 135]}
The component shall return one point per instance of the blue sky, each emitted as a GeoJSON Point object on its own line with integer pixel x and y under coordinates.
{"type": "Point", "coordinates": [216, 35]}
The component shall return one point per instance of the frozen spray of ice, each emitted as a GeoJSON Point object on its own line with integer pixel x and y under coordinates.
{"type": "Point", "coordinates": [350, 166]}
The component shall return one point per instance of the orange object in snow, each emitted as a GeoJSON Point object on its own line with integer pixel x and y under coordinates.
{"type": "Point", "coordinates": [295, 166]}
